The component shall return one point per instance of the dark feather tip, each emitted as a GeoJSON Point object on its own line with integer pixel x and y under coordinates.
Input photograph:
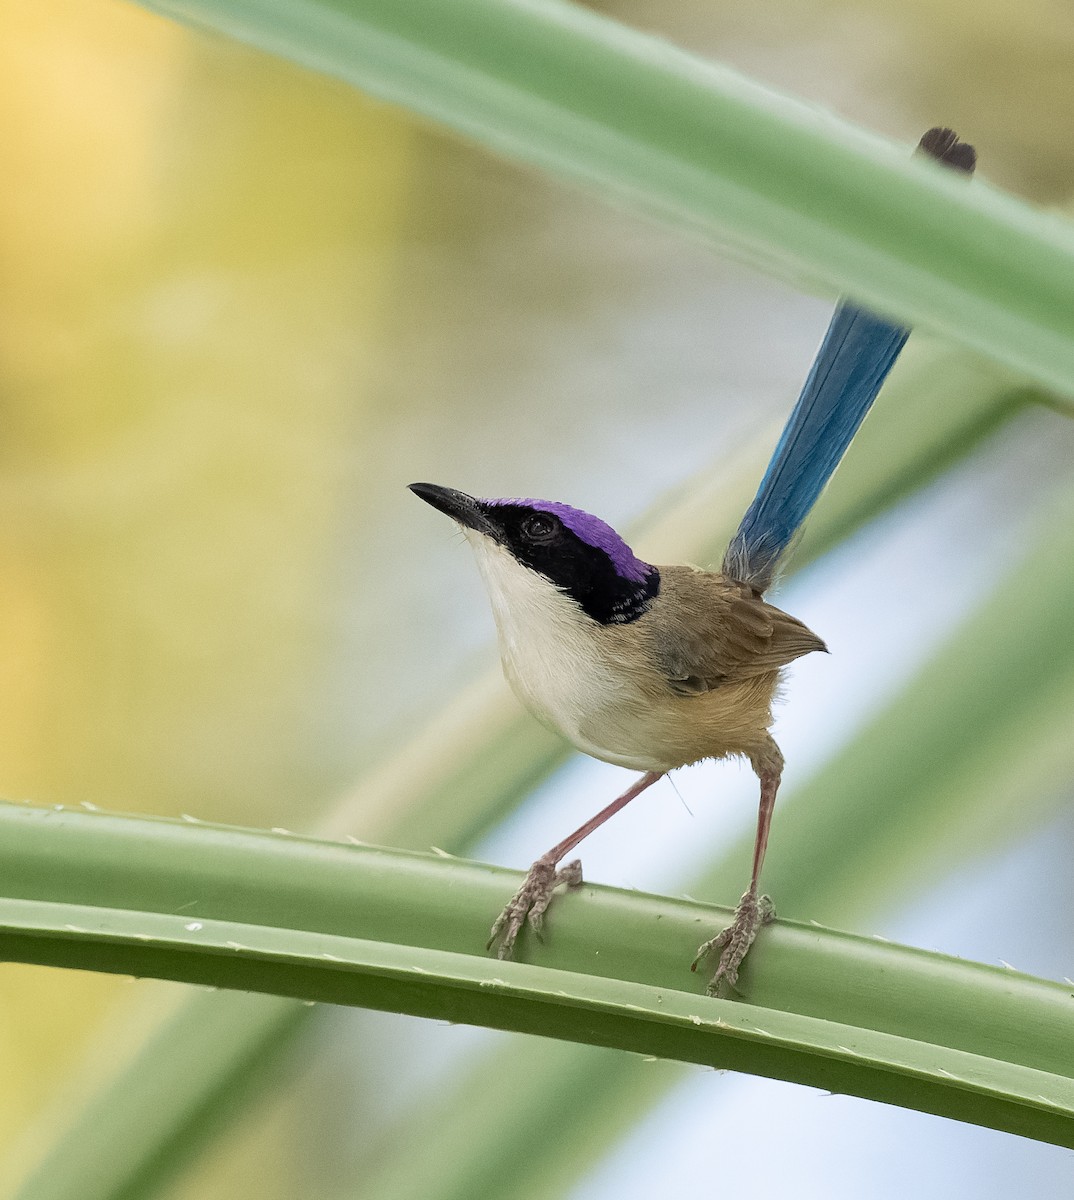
{"type": "Point", "coordinates": [944, 146]}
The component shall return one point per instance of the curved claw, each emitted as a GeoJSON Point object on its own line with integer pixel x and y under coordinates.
{"type": "Point", "coordinates": [752, 912]}
{"type": "Point", "coordinates": [530, 902]}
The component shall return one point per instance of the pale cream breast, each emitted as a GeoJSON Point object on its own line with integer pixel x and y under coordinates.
{"type": "Point", "coordinates": [555, 661]}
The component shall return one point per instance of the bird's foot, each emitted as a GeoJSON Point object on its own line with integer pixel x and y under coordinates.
{"type": "Point", "coordinates": [530, 902]}
{"type": "Point", "coordinates": [752, 912]}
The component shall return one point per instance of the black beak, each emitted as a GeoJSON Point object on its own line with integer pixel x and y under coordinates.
{"type": "Point", "coordinates": [458, 505]}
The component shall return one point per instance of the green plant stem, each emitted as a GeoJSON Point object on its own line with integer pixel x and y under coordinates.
{"type": "Point", "coordinates": [560, 87]}
{"type": "Point", "coordinates": [398, 931]}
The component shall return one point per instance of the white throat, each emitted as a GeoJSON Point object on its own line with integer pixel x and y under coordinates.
{"type": "Point", "coordinates": [561, 663]}
{"type": "Point", "coordinates": [530, 610]}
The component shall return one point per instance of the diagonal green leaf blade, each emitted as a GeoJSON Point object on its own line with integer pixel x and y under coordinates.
{"type": "Point", "coordinates": [563, 88]}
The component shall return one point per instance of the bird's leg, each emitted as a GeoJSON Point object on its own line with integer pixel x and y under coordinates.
{"type": "Point", "coordinates": [754, 910]}
{"type": "Point", "coordinates": [535, 894]}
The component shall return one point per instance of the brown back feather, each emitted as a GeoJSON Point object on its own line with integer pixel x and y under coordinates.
{"type": "Point", "coordinates": [723, 632]}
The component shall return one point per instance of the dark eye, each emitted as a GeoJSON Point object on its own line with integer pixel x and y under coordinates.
{"type": "Point", "coordinates": [539, 528]}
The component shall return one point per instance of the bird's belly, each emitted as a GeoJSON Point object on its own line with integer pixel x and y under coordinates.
{"type": "Point", "coordinates": [602, 688]}
{"type": "Point", "coordinates": [606, 715]}
{"type": "Point", "coordinates": [576, 695]}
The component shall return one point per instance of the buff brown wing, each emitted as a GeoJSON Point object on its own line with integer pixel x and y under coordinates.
{"type": "Point", "coordinates": [725, 634]}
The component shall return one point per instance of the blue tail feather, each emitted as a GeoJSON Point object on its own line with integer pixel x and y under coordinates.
{"type": "Point", "coordinates": [854, 359]}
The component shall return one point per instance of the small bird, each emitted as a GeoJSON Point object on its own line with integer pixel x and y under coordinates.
{"type": "Point", "coordinates": [655, 667]}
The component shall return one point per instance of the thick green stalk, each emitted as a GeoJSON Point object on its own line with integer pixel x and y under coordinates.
{"type": "Point", "coordinates": [560, 87]}
{"type": "Point", "coordinates": [393, 930]}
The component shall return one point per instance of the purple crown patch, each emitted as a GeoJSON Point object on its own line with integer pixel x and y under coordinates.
{"type": "Point", "coordinates": [593, 531]}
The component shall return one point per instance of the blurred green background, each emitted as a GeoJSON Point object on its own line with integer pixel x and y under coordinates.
{"type": "Point", "coordinates": [241, 306]}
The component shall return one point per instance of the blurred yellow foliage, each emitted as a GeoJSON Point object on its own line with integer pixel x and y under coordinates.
{"type": "Point", "coordinates": [195, 242]}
